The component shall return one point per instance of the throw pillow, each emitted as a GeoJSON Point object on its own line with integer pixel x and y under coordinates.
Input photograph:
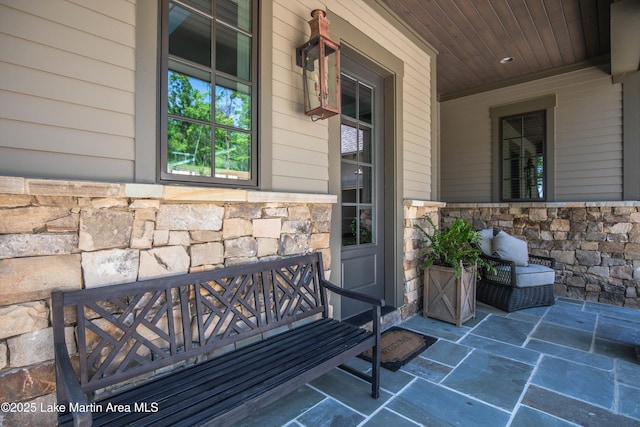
{"type": "Point", "coordinates": [486, 241]}
{"type": "Point", "coordinates": [511, 248]}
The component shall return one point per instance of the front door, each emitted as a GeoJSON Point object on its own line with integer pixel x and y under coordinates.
{"type": "Point", "coordinates": [362, 184]}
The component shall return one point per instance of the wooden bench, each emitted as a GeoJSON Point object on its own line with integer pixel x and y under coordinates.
{"type": "Point", "coordinates": [202, 348]}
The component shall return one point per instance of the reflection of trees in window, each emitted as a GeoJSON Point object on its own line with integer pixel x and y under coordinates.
{"type": "Point", "coordinates": [233, 147]}
{"type": "Point", "coordinates": [188, 129]}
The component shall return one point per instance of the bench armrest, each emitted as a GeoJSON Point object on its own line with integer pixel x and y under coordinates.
{"type": "Point", "coordinates": [67, 380]}
{"type": "Point", "coordinates": [68, 387]}
{"type": "Point", "coordinates": [351, 294]}
{"type": "Point", "coordinates": [376, 314]}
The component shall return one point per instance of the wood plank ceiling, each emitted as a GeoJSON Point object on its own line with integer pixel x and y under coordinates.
{"type": "Point", "coordinates": [542, 36]}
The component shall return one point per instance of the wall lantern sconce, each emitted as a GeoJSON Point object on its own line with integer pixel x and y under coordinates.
{"type": "Point", "coordinates": [320, 62]}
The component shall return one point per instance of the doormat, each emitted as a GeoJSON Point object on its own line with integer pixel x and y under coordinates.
{"type": "Point", "coordinates": [398, 346]}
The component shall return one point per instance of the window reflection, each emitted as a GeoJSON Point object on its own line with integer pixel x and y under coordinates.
{"type": "Point", "coordinates": [233, 104]}
{"type": "Point", "coordinates": [189, 35]}
{"type": "Point", "coordinates": [210, 130]}
{"type": "Point", "coordinates": [189, 144]}
{"type": "Point", "coordinates": [523, 141]}
{"type": "Point", "coordinates": [233, 53]}
{"type": "Point", "coordinates": [189, 151]}
{"type": "Point", "coordinates": [233, 154]}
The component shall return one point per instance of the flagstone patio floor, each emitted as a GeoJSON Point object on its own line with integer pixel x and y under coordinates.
{"type": "Point", "coordinates": [574, 363]}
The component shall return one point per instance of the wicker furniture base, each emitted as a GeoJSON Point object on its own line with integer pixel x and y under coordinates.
{"type": "Point", "coordinates": [510, 298]}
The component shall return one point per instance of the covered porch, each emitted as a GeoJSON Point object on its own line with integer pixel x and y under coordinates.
{"type": "Point", "coordinates": [574, 363]}
{"type": "Point", "coordinates": [89, 196]}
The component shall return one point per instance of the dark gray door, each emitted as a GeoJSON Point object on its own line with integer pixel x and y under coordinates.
{"type": "Point", "coordinates": [362, 192]}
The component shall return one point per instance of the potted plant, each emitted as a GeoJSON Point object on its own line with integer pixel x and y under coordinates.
{"type": "Point", "coordinates": [450, 258]}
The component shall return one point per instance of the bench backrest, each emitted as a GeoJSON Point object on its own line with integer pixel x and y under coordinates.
{"type": "Point", "coordinates": [127, 330]}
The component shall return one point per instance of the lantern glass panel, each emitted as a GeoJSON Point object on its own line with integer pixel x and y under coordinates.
{"type": "Point", "coordinates": [331, 78]}
{"type": "Point", "coordinates": [320, 79]}
{"type": "Point", "coordinates": [311, 57]}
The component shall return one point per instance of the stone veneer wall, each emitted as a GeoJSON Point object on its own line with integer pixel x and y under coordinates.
{"type": "Point", "coordinates": [72, 235]}
{"type": "Point", "coordinates": [596, 245]}
{"type": "Point", "coordinates": [414, 211]}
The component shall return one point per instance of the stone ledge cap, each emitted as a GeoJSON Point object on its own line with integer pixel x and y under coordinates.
{"type": "Point", "coordinates": [546, 204]}
{"type": "Point", "coordinates": [424, 203]}
{"type": "Point", "coordinates": [12, 185]}
{"type": "Point", "coordinates": [71, 188]}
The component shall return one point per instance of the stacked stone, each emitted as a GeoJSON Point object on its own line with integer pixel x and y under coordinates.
{"type": "Point", "coordinates": [74, 242]}
{"type": "Point", "coordinates": [414, 212]}
{"type": "Point", "coordinates": [596, 245]}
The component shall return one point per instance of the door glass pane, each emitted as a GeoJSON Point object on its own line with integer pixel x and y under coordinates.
{"type": "Point", "coordinates": [349, 142]}
{"type": "Point", "coordinates": [233, 52]}
{"type": "Point", "coordinates": [366, 146]}
{"type": "Point", "coordinates": [189, 35]}
{"type": "Point", "coordinates": [349, 226]}
{"type": "Point", "coordinates": [365, 95]}
{"type": "Point", "coordinates": [365, 222]}
{"type": "Point", "coordinates": [349, 183]}
{"type": "Point", "coordinates": [365, 183]}
{"type": "Point", "coordinates": [348, 96]}
{"type": "Point", "coordinates": [357, 165]}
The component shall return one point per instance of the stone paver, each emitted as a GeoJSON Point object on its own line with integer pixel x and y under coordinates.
{"type": "Point", "coordinates": [566, 365]}
{"type": "Point", "coordinates": [490, 378]}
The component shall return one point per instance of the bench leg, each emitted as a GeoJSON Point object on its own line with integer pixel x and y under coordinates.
{"type": "Point", "coordinates": [375, 359]}
{"type": "Point", "coordinates": [375, 373]}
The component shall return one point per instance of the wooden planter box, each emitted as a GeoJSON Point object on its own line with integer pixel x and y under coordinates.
{"type": "Point", "coordinates": [447, 297]}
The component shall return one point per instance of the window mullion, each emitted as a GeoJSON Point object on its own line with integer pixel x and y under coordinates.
{"type": "Point", "coordinates": [214, 77]}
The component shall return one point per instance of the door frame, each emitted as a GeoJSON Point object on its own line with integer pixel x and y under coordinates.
{"type": "Point", "coordinates": [393, 206]}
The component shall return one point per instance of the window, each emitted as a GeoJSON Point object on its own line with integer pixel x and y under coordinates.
{"type": "Point", "coordinates": [208, 92]}
{"type": "Point", "coordinates": [523, 150]}
{"type": "Point", "coordinates": [523, 156]}
{"type": "Point", "coordinates": [357, 166]}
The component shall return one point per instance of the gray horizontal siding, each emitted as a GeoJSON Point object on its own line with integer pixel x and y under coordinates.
{"type": "Point", "coordinates": [588, 144]}
{"type": "Point", "coordinates": [67, 89]}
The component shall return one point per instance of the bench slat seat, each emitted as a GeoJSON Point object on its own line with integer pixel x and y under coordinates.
{"type": "Point", "coordinates": [225, 382]}
{"type": "Point", "coordinates": [214, 386]}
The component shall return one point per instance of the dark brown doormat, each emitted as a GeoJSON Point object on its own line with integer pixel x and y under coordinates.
{"type": "Point", "coordinates": [398, 346]}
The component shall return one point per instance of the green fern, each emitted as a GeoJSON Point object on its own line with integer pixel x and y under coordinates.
{"type": "Point", "coordinates": [454, 247]}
